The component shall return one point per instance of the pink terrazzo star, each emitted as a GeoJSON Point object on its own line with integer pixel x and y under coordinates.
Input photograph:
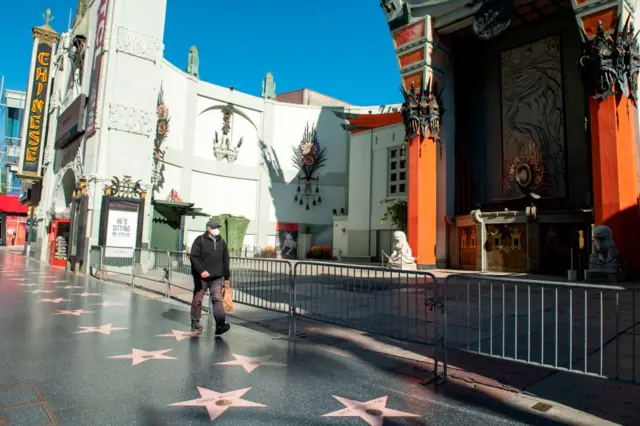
{"type": "Point", "coordinates": [139, 356]}
{"type": "Point", "coordinates": [57, 300]}
{"type": "Point", "coordinates": [110, 304]}
{"type": "Point", "coordinates": [67, 287]}
{"type": "Point", "coordinates": [88, 294]}
{"type": "Point", "coordinates": [217, 403]}
{"type": "Point", "coordinates": [251, 363]}
{"type": "Point", "coordinates": [181, 335]}
{"type": "Point", "coordinates": [40, 291]}
{"type": "Point", "coordinates": [76, 312]}
{"type": "Point", "coordinates": [104, 329]}
{"type": "Point", "coordinates": [373, 412]}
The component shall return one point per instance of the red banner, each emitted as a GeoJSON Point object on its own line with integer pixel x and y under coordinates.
{"type": "Point", "coordinates": [286, 227]}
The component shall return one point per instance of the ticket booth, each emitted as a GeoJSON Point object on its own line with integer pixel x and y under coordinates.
{"type": "Point", "coordinates": [59, 231]}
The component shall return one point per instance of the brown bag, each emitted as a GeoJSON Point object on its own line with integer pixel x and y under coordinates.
{"type": "Point", "coordinates": [227, 299]}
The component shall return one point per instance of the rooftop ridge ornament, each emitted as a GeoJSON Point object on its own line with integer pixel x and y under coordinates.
{"type": "Point", "coordinates": [47, 17]}
{"type": "Point", "coordinates": [420, 111]}
{"type": "Point", "coordinates": [308, 157]}
{"type": "Point", "coordinates": [193, 62]}
{"type": "Point", "coordinates": [222, 147]}
{"type": "Point", "coordinates": [610, 64]}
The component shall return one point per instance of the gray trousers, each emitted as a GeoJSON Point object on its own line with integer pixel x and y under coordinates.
{"type": "Point", "coordinates": [200, 287]}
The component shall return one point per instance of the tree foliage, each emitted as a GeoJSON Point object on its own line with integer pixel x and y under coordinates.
{"type": "Point", "coordinates": [396, 213]}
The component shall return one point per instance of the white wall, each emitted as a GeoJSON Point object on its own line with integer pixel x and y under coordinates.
{"type": "Point", "coordinates": [175, 87]}
{"type": "Point", "coordinates": [219, 195]}
{"type": "Point", "coordinates": [368, 186]}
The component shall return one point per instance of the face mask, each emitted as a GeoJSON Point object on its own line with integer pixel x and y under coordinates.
{"type": "Point", "coordinates": [214, 232]}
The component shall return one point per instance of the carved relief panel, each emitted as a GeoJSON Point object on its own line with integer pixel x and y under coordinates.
{"type": "Point", "coordinates": [533, 129]}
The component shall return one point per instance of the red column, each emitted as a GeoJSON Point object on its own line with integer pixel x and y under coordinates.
{"type": "Point", "coordinates": [421, 200]}
{"type": "Point", "coordinates": [615, 174]}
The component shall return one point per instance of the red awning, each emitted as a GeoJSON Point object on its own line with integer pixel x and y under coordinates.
{"type": "Point", "coordinates": [11, 204]}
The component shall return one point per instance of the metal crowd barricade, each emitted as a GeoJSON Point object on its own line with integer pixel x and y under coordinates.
{"type": "Point", "coordinates": [262, 283]}
{"type": "Point", "coordinates": [581, 328]}
{"type": "Point", "coordinates": [389, 302]}
{"type": "Point", "coordinates": [151, 270]}
{"type": "Point", "coordinates": [180, 279]}
{"type": "Point", "coordinates": [95, 261]}
{"type": "Point", "coordinates": [117, 264]}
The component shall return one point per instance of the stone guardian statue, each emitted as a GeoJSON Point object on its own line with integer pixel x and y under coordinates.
{"type": "Point", "coordinates": [402, 256]}
{"type": "Point", "coordinates": [603, 262]}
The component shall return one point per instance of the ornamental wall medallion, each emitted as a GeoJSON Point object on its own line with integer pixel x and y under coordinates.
{"type": "Point", "coordinates": [421, 110]}
{"type": "Point", "coordinates": [222, 146]}
{"type": "Point", "coordinates": [308, 157]}
{"type": "Point", "coordinates": [492, 19]}
{"type": "Point", "coordinates": [162, 130]}
{"type": "Point", "coordinates": [610, 64]}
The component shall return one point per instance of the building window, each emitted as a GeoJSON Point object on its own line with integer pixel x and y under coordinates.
{"type": "Point", "coordinates": [397, 172]}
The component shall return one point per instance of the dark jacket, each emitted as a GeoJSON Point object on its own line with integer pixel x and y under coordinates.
{"type": "Point", "coordinates": [210, 254]}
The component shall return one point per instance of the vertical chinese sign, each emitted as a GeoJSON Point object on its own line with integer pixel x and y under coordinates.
{"type": "Point", "coordinates": [36, 111]}
{"type": "Point", "coordinates": [98, 54]}
{"type": "Point", "coordinates": [35, 120]}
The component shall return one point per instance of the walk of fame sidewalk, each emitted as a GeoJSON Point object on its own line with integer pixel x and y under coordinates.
{"type": "Point", "coordinates": [573, 398]}
{"type": "Point", "coordinates": [563, 397]}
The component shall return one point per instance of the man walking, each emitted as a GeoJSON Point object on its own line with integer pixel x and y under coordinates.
{"type": "Point", "coordinates": [210, 270]}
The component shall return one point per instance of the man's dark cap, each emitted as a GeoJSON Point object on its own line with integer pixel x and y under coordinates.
{"type": "Point", "coordinates": [213, 224]}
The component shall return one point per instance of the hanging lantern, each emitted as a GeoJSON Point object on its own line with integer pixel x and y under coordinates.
{"type": "Point", "coordinates": [295, 198]}
{"type": "Point", "coordinates": [298, 188]}
{"type": "Point", "coordinates": [319, 199]}
{"type": "Point", "coordinates": [317, 190]}
{"type": "Point", "coordinates": [300, 201]}
{"type": "Point", "coordinates": [314, 202]}
{"type": "Point", "coordinates": [307, 207]}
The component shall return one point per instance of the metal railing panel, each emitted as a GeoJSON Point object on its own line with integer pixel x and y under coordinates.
{"type": "Point", "coordinates": [583, 328]}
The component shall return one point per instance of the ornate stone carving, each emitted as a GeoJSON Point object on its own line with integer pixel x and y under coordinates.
{"type": "Point", "coordinates": [125, 188]}
{"type": "Point", "coordinates": [162, 130]}
{"type": "Point", "coordinates": [70, 159]}
{"type": "Point", "coordinates": [421, 111]}
{"type": "Point", "coordinates": [397, 13]}
{"type": "Point", "coordinates": [130, 119]}
{"type": "Point", "coordinates": [493, 17]}
{"type": "Point", "coordinates": [139, 45]}
{"type": "Point", "coordinates": [222, 147]}
{"type": "Point", "coordinates": [308, 157]}
{"type": "Point", "coordinates": [611, 64]}
{"type": "Point", "coordinates": [402, 256]}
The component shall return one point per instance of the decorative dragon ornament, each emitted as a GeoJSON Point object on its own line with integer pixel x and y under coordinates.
{"type": "Point", "coordinates": [421, 111]}
{"type": "Point", "coordinates": [610, 64]}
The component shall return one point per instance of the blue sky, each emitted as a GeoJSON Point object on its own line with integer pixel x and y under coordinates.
{"type": "Point", "coordinates": [341, 48]}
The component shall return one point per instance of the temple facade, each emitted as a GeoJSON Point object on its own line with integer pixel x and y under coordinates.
{"type": "Point", "coordinates": [508, 147]}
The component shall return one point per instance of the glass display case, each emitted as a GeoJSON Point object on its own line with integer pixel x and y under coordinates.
{"type": "Point", "coordinates": [59, 231]}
